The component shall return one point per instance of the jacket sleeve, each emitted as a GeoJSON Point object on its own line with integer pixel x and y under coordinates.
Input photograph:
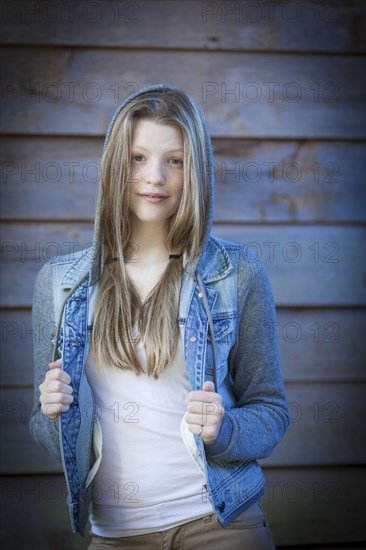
{"type": "Point", "coordinates": [43, 430]}
{"type": "Point", "coordinates": [260, 418]}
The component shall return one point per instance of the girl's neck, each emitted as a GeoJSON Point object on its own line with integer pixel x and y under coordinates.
{"type": "Point", "coordinates": [147, 245]}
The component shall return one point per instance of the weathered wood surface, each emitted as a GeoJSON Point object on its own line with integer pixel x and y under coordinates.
{"type": "Point", "coordinates": [298, 26]}
{"type": "Point", "coordinates": [35, 514]}
{"type": "Point", "coordinates": [75, 91]}
{"type": "Point", "coordinates": [307, 265]}
{"type": "Point", "coordinates": [303, 506]}
{"type": "Point", "coordinates": [311, 181]}
{"type": "Point", "coordinates": [310, 265]}
{"type": "Point", "coordinates": [56, 178]}
{"type": "Point", "coordinates": [309, 505]}
{"type": "Point", "coordinates": [315, 345]}
{"type": "Point", "coordinates": [62, 80]}
{"type": "Point", "coordinates": [320, 344]}
{"type": "Point", "coordinates": [327, 428]}
{"type": "Point", "coordinates": [323, 429]}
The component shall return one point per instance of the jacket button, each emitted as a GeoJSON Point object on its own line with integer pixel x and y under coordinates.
{"type": "Point", "coordinates": [222, 506]}
{"type": "Point", "coordinates": [193, 338]}
{"type": "Point", "coordinates": [200, 295]}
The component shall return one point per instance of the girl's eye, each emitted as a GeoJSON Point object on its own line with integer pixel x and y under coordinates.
{"type": "Point", "coordinates": [177, 162]}
{"type": "Point", "coordinates": [137, 158]}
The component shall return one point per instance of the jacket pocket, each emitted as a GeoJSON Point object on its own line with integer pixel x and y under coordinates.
{"type": "Point", "coordinates": [224, 334]}
{"type": "Point", "coordinates": [251, 518]}
{"type": "Point", "coordinates": [223, 326]}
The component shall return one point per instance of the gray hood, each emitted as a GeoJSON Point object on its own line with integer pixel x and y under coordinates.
{"type": "Point", "coordinates": [96, 267]}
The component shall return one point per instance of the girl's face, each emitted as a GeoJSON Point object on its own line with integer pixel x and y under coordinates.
{"type": "Point", "coordinates": [156, 168]}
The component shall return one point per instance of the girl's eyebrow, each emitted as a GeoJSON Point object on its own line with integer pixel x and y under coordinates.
{"type": "Point", "coordinates": [144, 148]}
{"type": "Point", "coordinates": [139, 147]}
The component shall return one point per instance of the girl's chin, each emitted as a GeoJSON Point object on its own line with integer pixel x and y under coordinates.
{"type": "Point", "coordinates": [151, 219]}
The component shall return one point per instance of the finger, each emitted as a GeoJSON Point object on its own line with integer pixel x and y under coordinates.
{"type": "Point", "coordinates": [55, 364]}
{"type": "Point", "coordinates": [57, 386]}
{"type": "Point", "coordinates": [203, 396]}
{"type": "Point", "coordinates": [58, 374]}
{"type": "Point", "coordinates": [204, 409]}
{"type": "Point", "coordinates": [206, 433]}
{"type": "Point", "coordinates": [195, 429]}
{"type": "Point", "coordinates": [52, 410]}
{"type": "Point", "coordinates": [201, 420]}
{"type": "Point", "coordinates": [58, 398]}
{"type": "Point", "coordinates": [208, 386]}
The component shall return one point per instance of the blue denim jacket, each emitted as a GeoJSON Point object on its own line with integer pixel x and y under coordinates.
{"type": "Point", "coordinates": [248, 374]}
{"type": "Point", "coordinates": [224, 285]}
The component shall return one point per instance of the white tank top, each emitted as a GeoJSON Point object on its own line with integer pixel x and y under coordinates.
{"type": "Point", "coordinates": [147, 481]}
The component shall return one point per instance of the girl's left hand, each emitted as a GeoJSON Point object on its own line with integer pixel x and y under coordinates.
{"type": "Point", "coordinates": [205, 412]}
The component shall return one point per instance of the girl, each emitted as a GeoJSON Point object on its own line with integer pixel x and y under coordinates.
{"type": "Point", "coordinates": [162, 386]}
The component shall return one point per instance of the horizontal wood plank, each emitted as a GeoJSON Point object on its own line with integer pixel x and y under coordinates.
{"type": "Point", "coordinates": [322, 344]}
{"type": "Point", "coordinates": [300, 26]}
{"type": "Point", "coordinates": [16, 409]}
{"type": "Point", "coordinates": [303, 506]}
{"type": "Point", "coordinates": [38, 504]}
{"type": "Point", "coordinates": [310, 265]}
{"type": "Point", "coordinates": [56, 178]}
{"type": "Point", "coordinates": [289, 181]}
{"type": "Point", "coordinates": [307, 265]}
{"type": "Point", "coordinates": [309, 506]}
{"type": "Point", "coordinates": [75, 91]}
{"type": "Point", "coordinates": [49, 178]}
{"type": "Point", "coordinates": [322, 430]}
{"type": "Point", "coordinates": [315, 345]}
{"type": "Point", "coordinates": [322, 425]}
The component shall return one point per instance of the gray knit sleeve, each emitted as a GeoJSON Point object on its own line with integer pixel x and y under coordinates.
{"type": "Point", "coordinates": [260, 418]}
{"type": "Point", "coordinates": [43, 430]}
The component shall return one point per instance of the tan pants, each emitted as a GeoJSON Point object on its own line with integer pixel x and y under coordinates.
{"type": "Point", "coordinates": [248, 531]}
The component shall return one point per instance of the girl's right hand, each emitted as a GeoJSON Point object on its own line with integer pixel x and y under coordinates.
{"type": "Point", "coordinates": [56, 391]}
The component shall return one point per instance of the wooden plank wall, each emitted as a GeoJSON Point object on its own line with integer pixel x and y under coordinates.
{"type": "Point", "coordinates": [282, 86]}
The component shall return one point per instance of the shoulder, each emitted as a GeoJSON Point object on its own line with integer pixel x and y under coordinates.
{"type": "Point", "coordinates": [73, 258]}
{"type": "Point", "coordinates": [244, 258]}
{"type": "Point", "coordinates": [58, 275]}
{"type": "Point", "coordinates": [71, 266]}
{"type": "Point", "coordinates": [248, 267]}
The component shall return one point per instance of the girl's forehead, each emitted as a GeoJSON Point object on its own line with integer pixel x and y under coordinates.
{"type": "Point", "coordinates": [147, 133]}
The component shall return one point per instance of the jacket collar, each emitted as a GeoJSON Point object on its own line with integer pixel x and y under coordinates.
{"type": "Point", "coordinates": [78, 269]}
{"type": "Point", "coordinates": [213, 264]}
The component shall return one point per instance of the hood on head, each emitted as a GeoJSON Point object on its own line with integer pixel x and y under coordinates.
{"type": "Point", "coordinates": [96, 266]}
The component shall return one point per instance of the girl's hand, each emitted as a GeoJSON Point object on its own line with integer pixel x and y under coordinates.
{"type": "Point", "coordinates": [205, 412]}
{"type": "Point", "coordinates": [56, 391]}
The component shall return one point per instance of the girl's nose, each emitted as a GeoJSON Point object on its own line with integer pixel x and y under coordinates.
{"type": "Point", "coordinates": [155, 173]}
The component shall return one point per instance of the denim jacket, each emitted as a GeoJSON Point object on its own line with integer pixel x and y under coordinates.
{"type": "Point", "coordinates": [248, 375]}
{"type": "Point", "coordinates": [239, 353]}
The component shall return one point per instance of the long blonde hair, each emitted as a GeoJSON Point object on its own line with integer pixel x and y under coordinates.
{"type": "Point", "coordinates": [118, 305]}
